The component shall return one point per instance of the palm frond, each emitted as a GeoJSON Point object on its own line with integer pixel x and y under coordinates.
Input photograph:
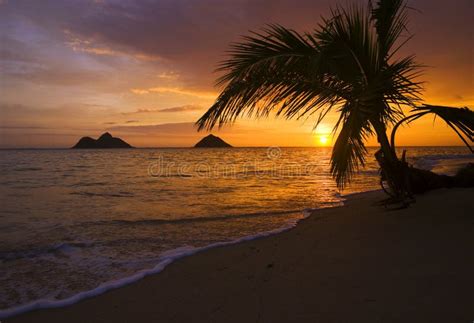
{"type": "Point", "coordinates": [277, 71]}
{"type": "Point", "coordinates": [349, 150]}
{"type": "Point", "coordinates": [275, 46]}
{"type": "Point", "coordinates": [461, 120]}
{"type": "Point", "coordinates": [390, 18]}
{"type": "Point", "coordinates": [346, 40]}
{"type": "Point", "coordinates": [398, 84]}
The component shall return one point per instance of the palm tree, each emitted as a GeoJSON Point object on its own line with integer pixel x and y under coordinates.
{"type": "Point", "coordinates": [347, 64]}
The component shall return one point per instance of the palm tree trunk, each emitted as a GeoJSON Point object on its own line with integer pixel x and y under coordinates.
{"type": "Point", "coordinates": [404, 180]}
{"type": "Point", "coordinates": [382, 138]}
{"type": "Point", "coordinates": [391, 167]}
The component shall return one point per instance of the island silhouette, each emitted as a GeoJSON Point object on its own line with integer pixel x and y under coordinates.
{"type": "Point", "coordinates": [106, 140]}
{"type": "Point", "coordinates": [212, 141]}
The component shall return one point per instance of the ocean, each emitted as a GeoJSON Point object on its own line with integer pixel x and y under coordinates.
{"type": "Point", "coordinates": [75, 223]}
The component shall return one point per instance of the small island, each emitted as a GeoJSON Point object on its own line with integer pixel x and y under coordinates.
{"type": "Point", "coordinates": [105, 141]}
{"type": "Point", "coordinates": [212, 141]}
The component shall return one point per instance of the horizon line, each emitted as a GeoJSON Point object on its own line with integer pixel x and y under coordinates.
{"type": "Point", "coordinates": [188, 147]}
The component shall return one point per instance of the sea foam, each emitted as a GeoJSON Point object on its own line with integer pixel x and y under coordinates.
{"type": "Point", "coordinates": [167, 258]}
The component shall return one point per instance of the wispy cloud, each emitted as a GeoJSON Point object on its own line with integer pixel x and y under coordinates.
{"type": "Point", "coordinates": [23, 127]}
{"type": "Point", "coordinates": [183, 108]}
{"type": "Point", "coordinates": [175, 90]}
{"type": "Point", "coordinates": [92, 46]}
{"type": "Point", "coordinates": [113, 123]}
{"type": "Point", "coordinates": [170, 75]}
{"type": "Point", "coordinates": [178, 127]}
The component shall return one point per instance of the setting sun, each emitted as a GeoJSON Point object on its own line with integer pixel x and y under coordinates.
{"type": "Point", "coordinates": [323, 140]}
{"type": "Point", "coordinates": [322, 135]}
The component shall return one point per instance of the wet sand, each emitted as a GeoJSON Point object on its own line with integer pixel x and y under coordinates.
{"type": "Point", "coordinates": [356, 263]}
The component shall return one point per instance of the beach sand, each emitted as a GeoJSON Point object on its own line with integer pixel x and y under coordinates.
{"type": "Point", "coordinates": [356, 263]}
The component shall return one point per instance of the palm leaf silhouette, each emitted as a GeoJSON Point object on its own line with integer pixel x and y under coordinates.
{"type": "Point", "coordinates": [461, 120]}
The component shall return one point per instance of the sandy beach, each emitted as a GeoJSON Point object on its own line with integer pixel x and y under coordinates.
{"type": "Point", "coordinates": [355, 263]}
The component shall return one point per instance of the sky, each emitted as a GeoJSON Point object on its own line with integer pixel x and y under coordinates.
{"type": "Point", "coordinates": [144, 70]}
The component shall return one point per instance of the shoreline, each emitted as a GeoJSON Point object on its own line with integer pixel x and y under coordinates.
{"type": "Point", "coordinates": [168, 285]}
{"type": "Point", "coordinates": [171, 257]}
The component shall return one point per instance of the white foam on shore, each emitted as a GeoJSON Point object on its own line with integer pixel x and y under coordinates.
{"type": "Point", "coordinates": [167, 258]}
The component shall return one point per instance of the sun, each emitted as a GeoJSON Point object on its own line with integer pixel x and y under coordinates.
{"type": "Point", "coordinates": [323, 140]}
{"type": "Point", "coordinates": [322, 135]}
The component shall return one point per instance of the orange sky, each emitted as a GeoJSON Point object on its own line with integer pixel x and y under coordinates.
{"type": "Point", "coordinates": [144, 71]}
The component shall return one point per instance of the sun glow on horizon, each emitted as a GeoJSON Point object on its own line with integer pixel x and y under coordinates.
{"type": "Point", "coordinates": [322, 135]}
{"type": "Point", "coordinates": [323, 140]}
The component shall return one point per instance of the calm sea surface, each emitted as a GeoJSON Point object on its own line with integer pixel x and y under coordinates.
{"type": "Point", "coordinates": [71, 220]}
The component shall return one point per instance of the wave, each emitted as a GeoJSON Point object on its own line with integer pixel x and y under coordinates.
{"type": "Point", "coordinates": [87, 184]}
{"type": "Point", "coordinates": [442, 156]}
{"type": "Point", "coordinates": [172, 175]}
{"type": "Point", "coordinates": [166, 259]}
{"type": "Point", "coordinates": [27, 169]}
{"type": "Point", "coordinates": [190, 220]}
{"type": "Point", "coordinates": [443, 164]}
{"type": "Point", "coordinates": [93, 194]}
{"type": "Point", "coordinates": [65, 247]}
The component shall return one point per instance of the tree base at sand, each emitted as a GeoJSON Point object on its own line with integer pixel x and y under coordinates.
{"type": "Point", "coordinates": [419, 181]}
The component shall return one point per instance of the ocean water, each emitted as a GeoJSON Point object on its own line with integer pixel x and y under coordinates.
{"type": "Point", "coordinates": [74, 223]}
